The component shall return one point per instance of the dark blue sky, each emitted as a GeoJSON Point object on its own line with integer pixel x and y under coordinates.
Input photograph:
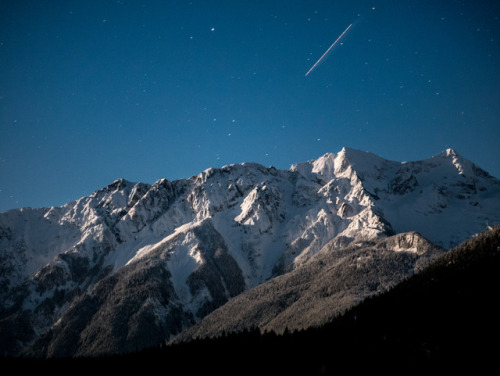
{"type": "Point", "coordinates": [95, 90]}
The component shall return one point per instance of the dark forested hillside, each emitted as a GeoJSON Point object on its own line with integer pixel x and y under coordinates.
{"type": "Point", "coordinates": [443, 317]}
{"type": "Point", "coordinates": [446, 316]}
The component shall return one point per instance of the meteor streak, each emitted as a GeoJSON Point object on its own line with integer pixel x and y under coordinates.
{"type": "Point", "coordinates": [322, 56]}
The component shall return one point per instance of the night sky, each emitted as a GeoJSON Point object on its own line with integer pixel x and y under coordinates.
{"type": "Point", "coordinates": [95, 90]}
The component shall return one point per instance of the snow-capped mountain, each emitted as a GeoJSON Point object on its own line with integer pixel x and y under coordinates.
{"type": "Point", "coordinates": [135, 263]}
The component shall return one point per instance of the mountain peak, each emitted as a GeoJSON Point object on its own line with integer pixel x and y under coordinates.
{"type": "Point", "coordinates": [117, 185]}
{"type": "Point", "coordinates": [363, 163]}
{"type": "Point", "coordinates": [451, 152]}
{"type": "Point", "coordinates": [448, 153]}
{"type": "Point", "coordinates": [451, 158]}
{"type": "Point", "coordinates": [344, 163]}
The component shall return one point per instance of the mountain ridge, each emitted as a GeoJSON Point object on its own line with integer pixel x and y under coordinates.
{"type": "Point", "coordinates": [216, 234]}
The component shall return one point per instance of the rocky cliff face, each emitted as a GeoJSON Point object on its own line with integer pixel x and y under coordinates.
{"type": "Point", "coordinates": [103, 273]}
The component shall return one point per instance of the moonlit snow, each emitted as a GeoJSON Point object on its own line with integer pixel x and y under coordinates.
{"type": "Point", "coordinates": [230, 229]}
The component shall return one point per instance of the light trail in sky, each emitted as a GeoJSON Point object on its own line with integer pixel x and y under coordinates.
{"type": "Point", "coordinates": [322, 56]}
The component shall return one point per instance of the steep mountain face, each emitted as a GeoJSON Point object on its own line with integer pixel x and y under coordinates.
{"type": "Point", "coordinates": [330, 283]}
{"type": "Point", "coordinates": [134, 263]}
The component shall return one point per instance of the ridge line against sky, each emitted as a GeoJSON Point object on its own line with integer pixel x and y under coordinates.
{"type": "Point", "coordinates": [93, 91]}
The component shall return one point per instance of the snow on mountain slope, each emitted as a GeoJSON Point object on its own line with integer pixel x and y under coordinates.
{"type": "Point", "coordinates": [444, 186]}
{"type": "Point", "coordinates": [332, 281]}
{"type": "Point", "coordinates": [224, 231]}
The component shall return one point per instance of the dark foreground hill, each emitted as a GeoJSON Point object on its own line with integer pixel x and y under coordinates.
{"type": "Point", "coordinates": [443, 318]}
